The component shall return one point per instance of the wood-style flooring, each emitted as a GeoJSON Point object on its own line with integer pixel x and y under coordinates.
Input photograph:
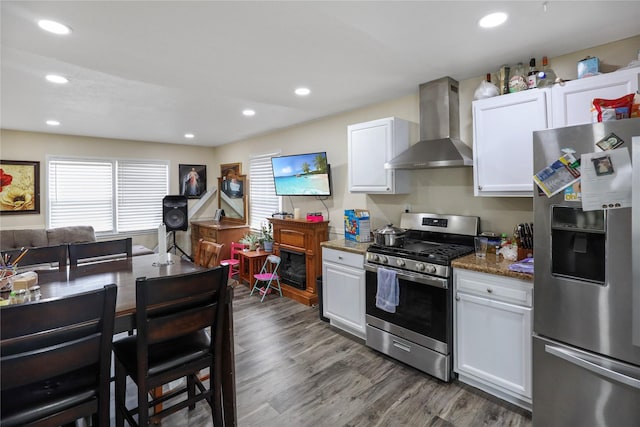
{"type": "Point", "coordinates": [292, 369]}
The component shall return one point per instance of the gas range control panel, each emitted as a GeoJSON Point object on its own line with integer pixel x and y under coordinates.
{"type": "Point", "coordinates": [408, 264]}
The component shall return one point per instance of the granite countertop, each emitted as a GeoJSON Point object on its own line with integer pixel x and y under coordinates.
{"type": "Point", "coordinates": [491, 264]}
{"type": "Point", "coordinates": [346, 245]}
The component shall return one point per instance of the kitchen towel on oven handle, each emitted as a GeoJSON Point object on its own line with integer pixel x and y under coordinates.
{"type": "Point", "coordinates": [388, 292]}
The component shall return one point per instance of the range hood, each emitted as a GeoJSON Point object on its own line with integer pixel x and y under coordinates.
{"type": "Point", "coordinates": [440, 145]}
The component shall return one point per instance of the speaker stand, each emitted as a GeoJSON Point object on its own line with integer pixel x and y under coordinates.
{"type": "Point", "coordinates": [176, 248]}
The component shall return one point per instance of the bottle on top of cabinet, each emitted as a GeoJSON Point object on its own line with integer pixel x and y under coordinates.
{"type": "Point", "coordinates": [546, 77]}
{"type": "Point", "coordinates": [532, 76]}
{"type": "Point", "coordinates": [518, 80]}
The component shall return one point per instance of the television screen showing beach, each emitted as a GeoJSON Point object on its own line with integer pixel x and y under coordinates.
{"type": "Point", "coordinates": [301, 175]}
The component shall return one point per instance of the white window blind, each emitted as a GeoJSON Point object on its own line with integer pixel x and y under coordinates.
{"type": "Point", "coordinates": [262, 193]}
{"type": "Point", "coordinates": [81, 193]}
{"type": "Point", "coordinates": [141, 188]}
{"type": "Point", "coordinates": [111, 195]}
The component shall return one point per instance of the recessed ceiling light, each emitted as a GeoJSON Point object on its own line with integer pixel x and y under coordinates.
{"type": "Point", "coordinates": [189, 135]}
{"type": "Point", "coordinates": [302, 91]}
{"type": "Point", "coordinates": [53, 78]}
{"type": "Point", "coordinates": [493, 20]}
{"type": "Point", "coordinates": [53, 27]}
{"type": "Point", "coordinates": [249, 112]}
{"type": "Point", "coordinates": [53, 123]}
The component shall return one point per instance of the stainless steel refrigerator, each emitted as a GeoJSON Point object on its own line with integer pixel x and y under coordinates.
{"type": "Point", "coordinates": [586, 340]}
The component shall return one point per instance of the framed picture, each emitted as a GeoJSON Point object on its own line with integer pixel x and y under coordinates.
{"type": "Point", "coordinates": [193, 180]}
{"type": "Point", "coordinates": [19, 187]}
{"type": "Point", "coordinates": [230, 170]}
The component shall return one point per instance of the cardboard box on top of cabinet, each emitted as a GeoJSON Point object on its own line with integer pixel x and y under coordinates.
{"type": "Point", "coordinates": [357, 225]}
{"type": "Point", "coordinates": [589, 66]}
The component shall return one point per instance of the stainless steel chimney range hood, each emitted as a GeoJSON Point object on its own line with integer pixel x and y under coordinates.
{"type": "Point", "coordinates": [440, 145]}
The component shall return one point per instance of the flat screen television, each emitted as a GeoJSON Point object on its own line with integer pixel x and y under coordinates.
{"type": "Point", "coordinates": [302, 175]}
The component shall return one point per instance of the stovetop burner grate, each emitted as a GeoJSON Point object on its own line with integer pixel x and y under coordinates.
{"type": "Point", "coordinates": [440, 253]}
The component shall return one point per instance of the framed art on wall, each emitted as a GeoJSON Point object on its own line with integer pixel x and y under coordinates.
{"type": "Point", "coordinates": [230, 170]}
{"type": "Point", "coordinates": [193, 180]}
{"type": "Point", "coordinates": [19, 187]}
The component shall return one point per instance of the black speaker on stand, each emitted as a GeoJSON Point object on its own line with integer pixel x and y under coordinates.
{"type": "Point", "coordinates": [174, 216]}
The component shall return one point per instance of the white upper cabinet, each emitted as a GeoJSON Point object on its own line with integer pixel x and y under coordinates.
{"type": "Point", "coordinates": [371, 145]}
{"type": "Point", "coordinates": [503, 141]}
{"type": "Point", "coordinates": [572, 102]}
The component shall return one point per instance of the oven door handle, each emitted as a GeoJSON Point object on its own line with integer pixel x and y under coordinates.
{"type": "Point", "coordinates": [417, 278]}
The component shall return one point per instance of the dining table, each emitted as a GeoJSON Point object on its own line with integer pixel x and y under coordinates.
{"type": "Point", "coordinates": [56, 283]}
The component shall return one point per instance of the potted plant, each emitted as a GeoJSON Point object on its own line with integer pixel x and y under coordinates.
{"type": "Point", "coordinates": [251, 240]}
{"type": "Point", "coordinates": [266, 237]}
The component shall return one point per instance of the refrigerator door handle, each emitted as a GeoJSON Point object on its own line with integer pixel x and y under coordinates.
{"type": "Point", "coordinates": [573, 357]}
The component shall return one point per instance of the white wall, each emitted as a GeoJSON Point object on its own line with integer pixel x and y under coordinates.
{"type": "Point", "coordinates": [433, 190]}
{"type": "Point", "coordinates": [32, 146]}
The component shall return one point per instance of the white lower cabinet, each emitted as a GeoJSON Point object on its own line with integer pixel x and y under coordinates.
{"type": "Point", "coordinates": [343, 292]}
{"type": "Point", "coordinates": [492, 334]}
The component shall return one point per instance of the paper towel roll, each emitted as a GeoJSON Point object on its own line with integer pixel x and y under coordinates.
{"type": "Point", "coordinates": [296, 213]}
{"type": "Point", "coordinates": [162, 244]}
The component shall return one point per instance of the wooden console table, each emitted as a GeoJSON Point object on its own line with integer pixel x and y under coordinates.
{"type": "Point", "coordinates": [304, 237]}
{"type": "Point", "coordinates": [219, 232]}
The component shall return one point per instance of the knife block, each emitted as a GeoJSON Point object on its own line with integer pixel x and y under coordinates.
{"type": "Point", "coordinates": [524, 253]}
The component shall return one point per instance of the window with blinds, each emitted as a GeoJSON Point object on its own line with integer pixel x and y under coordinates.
{"type": "Point", "coordinates": [113, 196]}
{"type": "Point", "coordinates": [263, 201]}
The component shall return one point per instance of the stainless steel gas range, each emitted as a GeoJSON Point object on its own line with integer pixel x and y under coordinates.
{"type": "Point", "coordinates": [420, 331]}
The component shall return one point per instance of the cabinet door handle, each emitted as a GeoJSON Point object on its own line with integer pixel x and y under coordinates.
{"type": "Point", "coordinates": [457, 298]}
{"type": "Point", "coordinates": [339, 257]}
{"type": "Point", "coordinates": [490, 290]}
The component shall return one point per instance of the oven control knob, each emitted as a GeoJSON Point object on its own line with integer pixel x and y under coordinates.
{"type": "Point", "coordinates": [384, 259]}
{"type": "Point", "coordinates": [431, 269]}
{"type": "Point", "coordinates": [400, 262]}
{"type": "Point", "coordinates": [420, 266]}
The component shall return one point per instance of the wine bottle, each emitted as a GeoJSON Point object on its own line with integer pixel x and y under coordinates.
{"type": "Point", "coordinates": [505, 86]}
{"type": "Point", "coordinates": [532, 76]}
{"type": "Point", "coordinates": [546, 77]}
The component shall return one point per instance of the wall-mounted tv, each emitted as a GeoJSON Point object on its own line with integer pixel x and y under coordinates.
{"type": "Point", "coordinates": [302, 175]}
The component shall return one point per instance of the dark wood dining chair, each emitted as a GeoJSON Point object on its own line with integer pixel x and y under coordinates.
{"type": "Point", "coordinates": [171, 342]}
{"type": "Point", "coordinates": [41, 256]}
{"type": "Point", "coordinates": [98, 250]}
{"type": "Point", "coordinates": [208, 253]}
{"type": "Point", "coordinates": [55, 359]}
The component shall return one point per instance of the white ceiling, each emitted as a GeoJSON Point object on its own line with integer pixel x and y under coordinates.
{"type": "Point", "coordinates": [152, 71]}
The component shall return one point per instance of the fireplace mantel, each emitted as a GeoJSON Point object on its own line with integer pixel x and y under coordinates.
{"type": "Point", "coordinates": [302, 236]}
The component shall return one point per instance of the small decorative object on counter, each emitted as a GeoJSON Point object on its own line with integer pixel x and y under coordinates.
{"type": "Point", "coordinates": [509, 252]}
